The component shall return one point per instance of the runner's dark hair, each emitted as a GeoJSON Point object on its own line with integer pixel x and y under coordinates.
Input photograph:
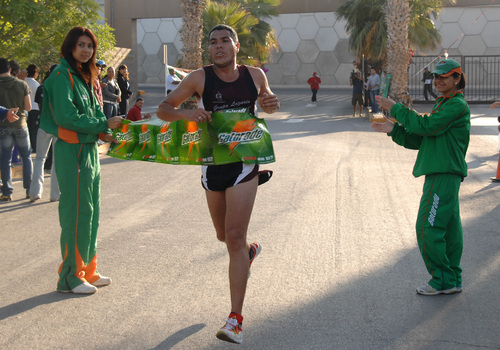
{"type": "Point", "coordinates": [232, 32]}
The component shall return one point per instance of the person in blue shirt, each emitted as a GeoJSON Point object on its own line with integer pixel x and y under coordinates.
{"type": "Point", "coordinates": [374, 88]}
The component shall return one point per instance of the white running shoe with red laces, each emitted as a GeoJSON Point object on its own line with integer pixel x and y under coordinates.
{"type": "Point", "coordinates": [232, 331]}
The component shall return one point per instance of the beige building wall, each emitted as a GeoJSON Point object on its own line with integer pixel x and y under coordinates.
{"type": "Point", "coordinates": [310, 37]}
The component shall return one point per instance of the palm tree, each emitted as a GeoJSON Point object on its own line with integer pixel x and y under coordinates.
{"type": "Point", "coordinates": [247, 18]}
{"type": "Point", "coordinates": [264, 39]}
{"type": "Point", "coordinates": [397, 18]}
{"type": "Point", "coordinates": [365, 24]}
{"type": "Point", "coordinates": [387, 29]}
{"type": "Point", "coordinates": [191, 33]}
{"type": "Point", "coordinates": [368, 28]}
{"type": "Point", "coordinates": [422, 32]}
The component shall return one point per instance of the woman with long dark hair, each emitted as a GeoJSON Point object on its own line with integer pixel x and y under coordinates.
{"type": "Point", "coordinates": [124, 85]}
{"type": "Point", "coordinates": [72, 113]}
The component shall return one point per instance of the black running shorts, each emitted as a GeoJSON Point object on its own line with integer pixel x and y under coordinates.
{"type": "Point", "coordinates": [221, 177]}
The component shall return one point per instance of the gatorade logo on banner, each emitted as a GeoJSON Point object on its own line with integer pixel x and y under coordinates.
{"type": "Point", "coordinates": [234, 135]}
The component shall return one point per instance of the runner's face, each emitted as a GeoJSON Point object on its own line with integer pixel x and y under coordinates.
{"type": "Point", "coordinates": [222, 48]}
{"type": "Point", "coordinates": [83, 50]}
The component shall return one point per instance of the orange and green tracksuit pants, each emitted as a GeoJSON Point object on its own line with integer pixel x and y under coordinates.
{"type": "Point", "coordinates": [439, 230]}
{"type": "Point", "coordinates": [79, 174]}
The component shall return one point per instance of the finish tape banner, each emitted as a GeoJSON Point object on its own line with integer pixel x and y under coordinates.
{"type": "Point", "coordinates": [234, 135]}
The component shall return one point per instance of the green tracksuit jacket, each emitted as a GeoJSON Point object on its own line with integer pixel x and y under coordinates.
{"type": "Point", "coordinates": [71, 112]}
{"type": "Point", "coordinates": [442, 139]}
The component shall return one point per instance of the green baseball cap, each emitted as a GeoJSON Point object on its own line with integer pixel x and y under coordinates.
{"type": "Point", "coordinates": [446, 68]}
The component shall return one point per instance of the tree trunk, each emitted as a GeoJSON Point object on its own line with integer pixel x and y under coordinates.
{"type": "Point", "coordinates": [191, 36]}
{"type": "Point", "coordinates": [191, 33]}
{"type": "Point", "coordinates": [397, 18]}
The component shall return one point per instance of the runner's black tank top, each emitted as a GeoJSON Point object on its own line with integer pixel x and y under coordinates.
{"type": "Point", "coordinates": [219, 95]}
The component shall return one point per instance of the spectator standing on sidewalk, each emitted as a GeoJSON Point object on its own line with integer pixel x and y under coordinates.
{"type": "Point", "coordinates": [172, 81]}
{"type": "Point", "coordinates": [111, 94]}
{"type": "Point", "coordinates": [14, 93]}
{"type": "Point", "coordinates": [78, 123]}
{"type": "Point", "coordinates": [374, 88]}
{"type": "Point", "coordinates": [34, 114]}
{"type": "Point", "coordinates": [44, 142]}
{"type": "Point", "coordinates": [357, 92]}
{"type": "Point", "coordinates": [124, 85]}
{"type": "Point", "coordinates": [99, 85]}
{"type": "Point", "coordinates": [314, 82]}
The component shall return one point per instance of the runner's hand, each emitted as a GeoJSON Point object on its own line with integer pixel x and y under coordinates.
{"type": "Point", "coordinates": [199, 115]}
{"type": "Point", "coordinates": [269, 102]}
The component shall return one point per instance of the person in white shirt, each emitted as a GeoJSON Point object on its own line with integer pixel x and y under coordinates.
{"type": "Point", "coordinates": [34, 114]}
{"type": "Point", "coordinates": [172, 80]}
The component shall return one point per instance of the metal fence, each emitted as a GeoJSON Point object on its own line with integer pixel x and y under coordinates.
{"type": "Point", "coordinates": [482, 76]}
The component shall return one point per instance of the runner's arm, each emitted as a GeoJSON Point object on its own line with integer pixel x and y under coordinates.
{"type": "Point", "coordinates": [191, 84]}
{"type": "Point", "coordinates": [268, 101]}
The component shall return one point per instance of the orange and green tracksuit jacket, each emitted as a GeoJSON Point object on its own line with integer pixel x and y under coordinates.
{"type": "Point", "coordinates": [71, 112]}
{"type": "Point", "coordinates": [442, 139]}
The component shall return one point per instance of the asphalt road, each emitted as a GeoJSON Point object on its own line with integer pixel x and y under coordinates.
{"type": "Point", "coordinates": [338, 268]}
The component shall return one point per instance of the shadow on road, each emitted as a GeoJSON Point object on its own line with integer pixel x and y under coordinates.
{"type": "Point", "coordinates": [179, 336]}
{"type": "Point", "coordinates": [31, 303]}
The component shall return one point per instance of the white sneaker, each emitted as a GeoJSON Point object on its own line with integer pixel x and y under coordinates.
{"type": "Point", "coordinates": [103, 281]}
{"type": "Point", "coordinates": [35, 198]}
{"type": "Point", "coordinates": [427, 289]}
{"type": "Point", "coordinates": [231, 332]}
{"type": "Point", "coordinates": [84, 288]}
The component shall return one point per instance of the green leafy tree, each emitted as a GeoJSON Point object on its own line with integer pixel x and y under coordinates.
{"type": "Point", "coordinates": [32, 31]}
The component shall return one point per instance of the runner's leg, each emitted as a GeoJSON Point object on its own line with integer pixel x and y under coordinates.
{"type": "Point", "coordinates": [231, 215]}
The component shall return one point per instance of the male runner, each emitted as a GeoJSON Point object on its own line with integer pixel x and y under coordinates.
{"type": "Point", "coordinates": [230, 188]}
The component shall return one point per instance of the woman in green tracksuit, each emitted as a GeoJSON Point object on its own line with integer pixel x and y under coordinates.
{"type": "Point", "coordinates": [73, 115]}
{"type": "Point", "coordinates": [442, 139]}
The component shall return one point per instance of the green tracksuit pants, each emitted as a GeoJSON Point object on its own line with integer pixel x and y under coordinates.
{"type": "Point", "coordinates": [439, 230]}
{"type": "Point", "coordinates": [79, 174]}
